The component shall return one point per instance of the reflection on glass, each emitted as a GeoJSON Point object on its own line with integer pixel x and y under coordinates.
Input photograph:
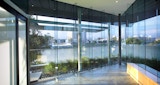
{"type": "Point", "coordinates": [7, 48]}
{"type": "Point", "coordinates": [55, 53]}
{"type": "Point", "coordinates": [142, 37]}
{"type": "Point", "coordinates": [54, 50]}
{"type": "Point", "coordinates": [146, 45]}
{"type": "Point", "coordinates": [22, 53]}
{"type": "Point", "coordinates": [114, 46]}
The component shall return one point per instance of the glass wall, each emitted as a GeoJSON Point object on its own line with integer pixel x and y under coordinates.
{"type": "Point", "coordinates": [13, 46]}
{"type": "Point", "coordinates": [69, 38]}
{"type": "Point", "coordinates": [114, 39]}
{"type": "Point", "coordinates": [94, 38]}
{"type": "Point", "coordinates": [55, 48]}
{"type": "Point", "coordinates": [141, 39]}
{"type": "Point", "coordinates": [7, 47]}
{"type": "Point", "coordinates": [22, 52]}
{"type": "Point", "coordinates": [56, 44]}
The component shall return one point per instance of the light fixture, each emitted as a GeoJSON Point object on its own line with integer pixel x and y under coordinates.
{"type": "Point", "coordinates": [2, 25]}
{"type": "Point", "coordinates": [53, 19]}
{"type": "Point", "coordinates": [1, 9]}
{"type": "Point", "coordinates": [12, 21]}
{"type": "Point", "coordinates": [116, 1]}
{"type": "Point", "coordinates": [55, 25]}
{"type": "Point", "coordinates": [20, 23]}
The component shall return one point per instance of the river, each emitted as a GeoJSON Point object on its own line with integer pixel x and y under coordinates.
{"type": "Point", "coordinates": [63, 54]}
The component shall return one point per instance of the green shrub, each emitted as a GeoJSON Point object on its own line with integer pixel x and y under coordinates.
{"type": "Point", "coordinates": [50, 68]}
{"type": "Point", "coordinates": [153, 63]}
{"type": "Point", "coordinates": [85, 62]}
{"type": "Point", "coordinates": [133, 41]}
{"type": "Point", "coordinates": [69, 66]}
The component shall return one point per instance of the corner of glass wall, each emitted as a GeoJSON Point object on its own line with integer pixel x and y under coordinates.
{"type": "Point", "coordinates": [141, 36]}
{"type": "Point", "coordinates": [13, 47]}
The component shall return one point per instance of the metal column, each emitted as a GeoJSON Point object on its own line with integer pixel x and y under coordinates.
{"type": "Point", "coordinates": [109, 46]}
{"type": "Point", "coordinates": [119, 26]}
{"type": "Point", "coordinates": [79, 40]}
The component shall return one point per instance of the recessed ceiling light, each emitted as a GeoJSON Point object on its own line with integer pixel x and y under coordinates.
{"type": "Point", "coordinates": [32, 5]}
{"type": "Point", "coordinates": [12, 21]}
{"type": "Point", "coordinates": [116, 1]}
{"type": "Point", "coordinates": [1, 9]}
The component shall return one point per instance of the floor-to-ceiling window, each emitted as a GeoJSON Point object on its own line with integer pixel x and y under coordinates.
{"type": "Point", "coordinates": [57, 43]}
{"type": "Point", "coordinates": [54, 47]}
{"type": "Point", "coordinates": [7, 47]}
{"type": "Point", "coordinates": [141, 39]}
{"type": "Point", "coordinates": [54, 50]}
{"type": "Point", "coordinates": [12, 46]}
{"type": "Point", "coordinates": [94, 39]}
{"type": "Point", "coordinates": [22, 52]}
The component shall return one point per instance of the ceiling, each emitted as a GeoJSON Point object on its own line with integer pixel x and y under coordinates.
{"type": "Point", "coordinates": [114, 7]}
{"type": "Point", "coordinates": [99, 11]}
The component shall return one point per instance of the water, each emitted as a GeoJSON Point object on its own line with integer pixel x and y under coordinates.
{"type": "Point", "coordinates": [63, 54]}
{"type": "Point", "coordinates": [141, 51]}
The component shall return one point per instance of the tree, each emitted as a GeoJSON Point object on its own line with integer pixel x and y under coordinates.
{"type": "Point", "coordinates": [157, 42]}
{"type": "Point", "coordinates": [114, 39]}
{"type": "Point", "coordinates": [37, 41]}
{"type": "Point", "coordinates": [133, 41]}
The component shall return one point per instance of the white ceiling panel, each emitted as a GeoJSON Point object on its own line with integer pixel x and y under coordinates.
{"type": "Point", "coordinates": [108, 6]}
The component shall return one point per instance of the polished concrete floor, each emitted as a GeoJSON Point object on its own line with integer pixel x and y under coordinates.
{"type": "Point", "coordinates": [109, 75]}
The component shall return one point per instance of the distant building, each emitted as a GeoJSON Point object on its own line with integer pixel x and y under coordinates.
{"type": "Point", "coordinates": [74, 37]}
{"type": "Point", "coordinates": [83, 37]}
{"type": "Point", "coordinates": [60, 41]}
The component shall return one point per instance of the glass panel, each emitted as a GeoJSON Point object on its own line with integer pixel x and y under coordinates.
{"type": "Point", "coordinates": [7, 48]}
{"type": "Point", "coordinates": [158, 47]}
{"type": "Point", "coordinates": [53, 49]}
{"type": "Point", "coordinates": [129, 34]}
{"type": "Point", "coordinates": [145, 35]}
{"type": "Point", "coordinates": [94, 40]}
{"type": "Point", "coordinates": [22, 53]}
{"type": "Point", "coordinates": [114, 39]}
{"type": "Point", "coordinates": [123, 42]}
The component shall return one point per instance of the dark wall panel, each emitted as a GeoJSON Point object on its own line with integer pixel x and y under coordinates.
{"type": "Point", "coordinates": [23, 4]}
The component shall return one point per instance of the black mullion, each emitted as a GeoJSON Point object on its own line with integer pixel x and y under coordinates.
{"type": "Point", "coordinates": [119, 26]}
{"type": "Point", "coordinates": [17, 51]}
{"type": "Point", "coordinates": [27, 51]}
